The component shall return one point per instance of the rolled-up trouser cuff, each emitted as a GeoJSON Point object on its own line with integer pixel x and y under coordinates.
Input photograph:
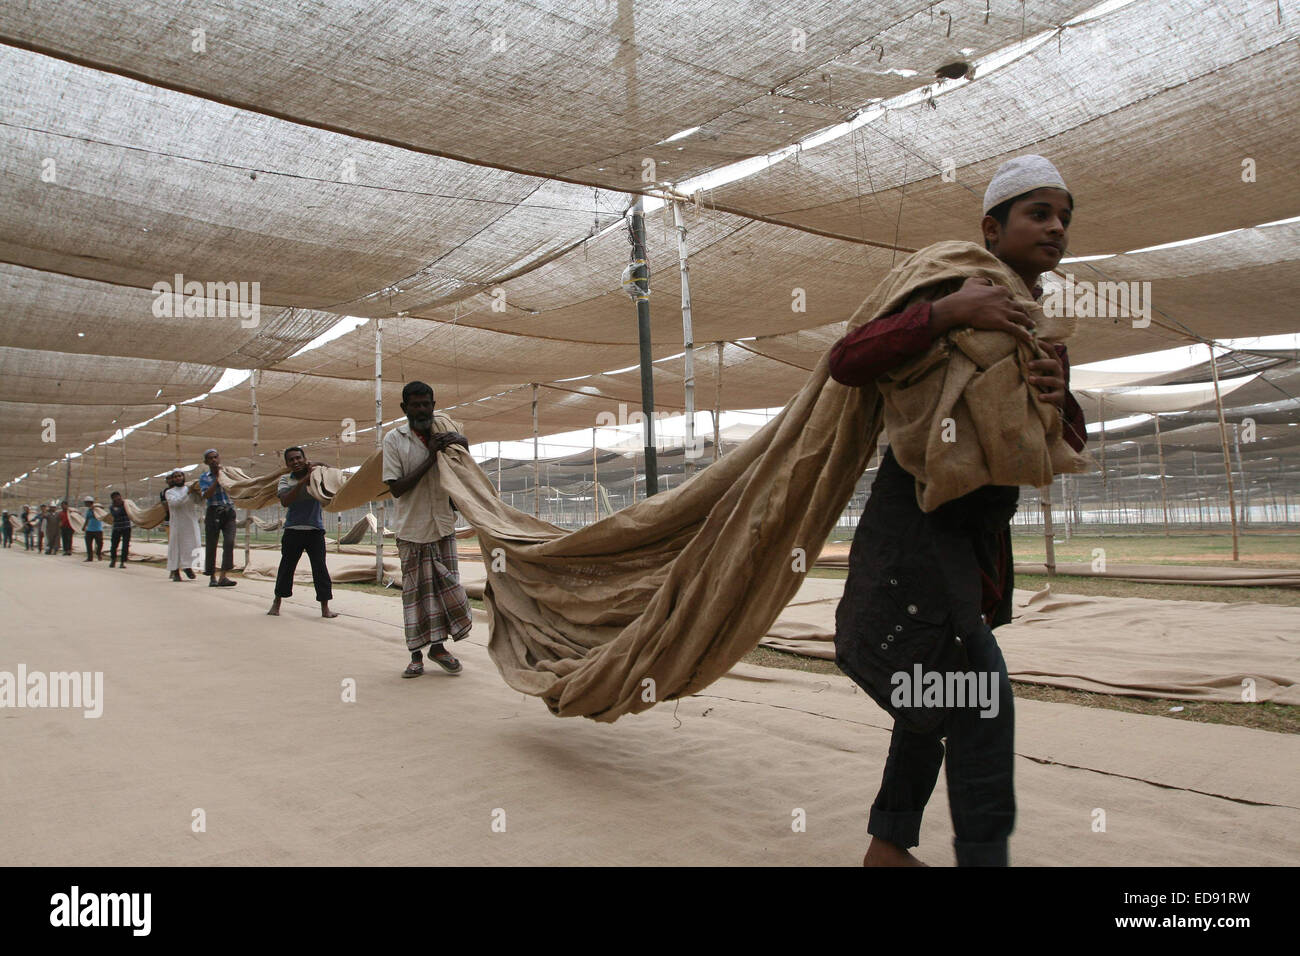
{"type": "Point", "coordinates": [981, 854]}
{"type": "Point", "coordinates": [899, 827]}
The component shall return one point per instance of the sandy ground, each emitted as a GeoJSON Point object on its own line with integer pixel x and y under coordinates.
{"type": "Point", "coordinates": [210, 704]}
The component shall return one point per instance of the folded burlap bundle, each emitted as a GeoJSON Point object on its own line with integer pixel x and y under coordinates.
{"type": "Point", "coordinates": [963, 415]}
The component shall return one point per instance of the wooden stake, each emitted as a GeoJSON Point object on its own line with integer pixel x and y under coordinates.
{"type": "Point", "coordinates": [1227, 462]}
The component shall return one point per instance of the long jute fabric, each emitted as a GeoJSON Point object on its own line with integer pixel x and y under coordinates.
{"type": "Point", "coordinates": [661, 599]}
{"type": "Point", "coordinates": [434, 603]}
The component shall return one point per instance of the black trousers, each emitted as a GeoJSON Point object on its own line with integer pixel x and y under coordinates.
{"type": "Point", "coordinates": [124, 536]}
{"type": "Point", "coordinates": [66, 534]}
{"type": "Point", "coordinates": [981, 795]}
{"type": "Point", "coordinates": [94, 545]}
{"type": "Point", "coordinates": [292, 545]}
{"type": "Point", "coordinates": [27, 538]}
{"type": "Point", "coordinates": [218, 520]}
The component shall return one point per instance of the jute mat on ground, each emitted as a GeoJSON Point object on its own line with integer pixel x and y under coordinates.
{"type": "Point", "coordinates": [211, 705]}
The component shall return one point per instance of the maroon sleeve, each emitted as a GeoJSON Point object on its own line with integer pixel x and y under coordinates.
{"type": "Point", "coordinates": [1076, 431]}
{"type": "Point", "coordinates": [871, 350]}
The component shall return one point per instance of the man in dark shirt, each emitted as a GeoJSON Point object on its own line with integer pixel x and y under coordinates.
{"type": "Point", "coordinates": [121, 529]}
{"type": "Point", "coordinates": [947, 576]}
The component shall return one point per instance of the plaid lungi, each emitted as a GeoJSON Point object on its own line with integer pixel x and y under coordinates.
{"type": "Point", "coordinates": [434, 604]}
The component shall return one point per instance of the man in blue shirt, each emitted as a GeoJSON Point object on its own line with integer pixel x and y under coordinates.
{"type": "Point", "coordinates": [94, 532]}
{"type": "Point", "coordinates": [304, 530]}
{"type": "Point", "coordinates": [219, 518]}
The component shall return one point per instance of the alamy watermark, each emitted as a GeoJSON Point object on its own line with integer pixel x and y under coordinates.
{"type": "Point", "coordinates": [1085, 299]}
{"type": "Point", "coordinates": [75, 908]}
{"type": "Point", "coordinates": [83, 690]}
{"type": "Point", "coordinates": [922, 688]}
{"type": "Point", "coordinates": [213, 300]}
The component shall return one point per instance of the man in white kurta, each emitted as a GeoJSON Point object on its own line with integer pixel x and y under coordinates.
{"type": "Point", "coordinates": [183, 541]}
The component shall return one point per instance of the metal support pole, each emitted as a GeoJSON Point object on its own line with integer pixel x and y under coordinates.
{"type": "Point", "coordinates": [379, 441]}
{"type": "Point", "coordinates": [641, 275]}
{"type": "Point", "coordinates": [595, 477]}
{"type": "Point", "coordinates": [1227, 462]}
{"type": "Point", "coordinates": [690, 453]}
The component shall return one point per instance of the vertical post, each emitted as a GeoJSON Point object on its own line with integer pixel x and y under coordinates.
{"type": "Point", "coordinates": [537, 471]}
{"type": "Point", "coordinates": [1101, 417]}
{"type": "Point", "coordinates": [1227, 461]}
{"type": "Point", "coordinates": [1241, 473]}
{"type": "Point", "coordinates": [257, 424]}
{"type": "Point", "coordinates": [67, 477]}
{"type": "Point", "coordinates": [498, 470]}
{"type": "Point", "coordinates": [717, 407]}
{"type": "Point", "coordinates": [1045, 502]}
{"type": "Point", "coordinates": [641, 275]}
{"type": "Point", "coordinates": [595, 481]}
{"type": "Point", "coordinates": [178, 434]}
{"type": "Point", "coordinates": [1160, 455]}
{"type": "Point", "coordinates": [689, 453]}
{"type": "Point", "coordinates": [379, 442]}
{"type": "Point", "coordinates": [1065, 500]}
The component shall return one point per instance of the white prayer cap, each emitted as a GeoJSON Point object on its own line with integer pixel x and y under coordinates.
{"type": "Point", "coordinates": [1021, 175]}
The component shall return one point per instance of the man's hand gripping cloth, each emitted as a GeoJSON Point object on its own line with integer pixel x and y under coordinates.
{"type": "Point", "coordinates": [962, 415]}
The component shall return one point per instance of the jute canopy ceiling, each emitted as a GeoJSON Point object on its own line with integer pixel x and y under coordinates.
{"type": "Point", "coordinates": [464, 175]}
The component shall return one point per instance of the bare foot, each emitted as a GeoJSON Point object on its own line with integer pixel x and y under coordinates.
{"type": "Point", "coordinates": [325, 610]}
{"type": "Point", "coordinates": [275, 608]}
{"type": "Point", "coordinates": [882, 853]}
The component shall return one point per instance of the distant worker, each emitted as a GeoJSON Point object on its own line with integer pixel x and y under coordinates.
{"type": "Point", "coordinates": [183, 540]}
{"type": "Point", "coordinates": [93, 531]}
{"type": "Point", "coordinates": [218, 519]}
{"type": "Point", "coordinates": [121, 529]}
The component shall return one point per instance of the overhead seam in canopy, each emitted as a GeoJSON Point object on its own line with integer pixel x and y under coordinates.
{"type": "Point", "coordinates": [244, 168]}
{"type": "Point", "coordinates": [773, 358]}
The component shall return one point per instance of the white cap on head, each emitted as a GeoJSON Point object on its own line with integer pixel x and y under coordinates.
{"type": "Point", "coordinates": [1021, 175]}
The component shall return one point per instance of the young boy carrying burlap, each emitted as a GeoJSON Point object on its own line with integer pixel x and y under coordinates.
{"type": "Point", "coordinates": [973, 378]}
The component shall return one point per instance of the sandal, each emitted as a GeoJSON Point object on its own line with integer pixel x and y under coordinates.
{"type": "Point", "coordinates": [414, 669]}
{"type": "Point", "coordinates": [444, 660]}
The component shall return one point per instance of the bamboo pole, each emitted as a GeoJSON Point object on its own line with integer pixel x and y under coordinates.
{"type": "Point", "coordinates": [1227, 462]}
{"type": "Point", "coordinates": [1045, 502]}
{"type": "Point", "coordinates": [537, 472]}
{"type": "Point", "coordinates": [1160, 455]}
{"type": "Point", "coordinates": [379, 442]}
{"type": "Point", "coordinates": [1241, 473]}
{"type": "Point", "coordinates": [717, 407]}
{"type": "Point", "coordinates": [688, 339]}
